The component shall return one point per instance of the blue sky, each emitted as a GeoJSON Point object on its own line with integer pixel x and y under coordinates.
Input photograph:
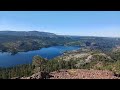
{"type": "Point", "coordinates": [82, 23]}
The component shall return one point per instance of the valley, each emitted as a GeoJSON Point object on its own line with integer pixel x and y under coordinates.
{"type": "Point", "coordinates": [59, 45]}
{"type": "Point", "coordinates": [32, 53]}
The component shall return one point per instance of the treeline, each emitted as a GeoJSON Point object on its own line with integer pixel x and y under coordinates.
{"type": "Point", "coordinates": [17, 71]}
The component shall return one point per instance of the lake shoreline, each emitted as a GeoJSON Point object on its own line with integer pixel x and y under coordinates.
{"type": "Point", "coordinates": [20, 51]}
{"type": "Point", "coordinates": [6, 59]}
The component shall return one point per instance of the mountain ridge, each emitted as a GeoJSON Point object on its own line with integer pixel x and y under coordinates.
{"type": "Point", "coordinates": [28, 33]}
{"type": "Point", "coordinates": [43, 34]}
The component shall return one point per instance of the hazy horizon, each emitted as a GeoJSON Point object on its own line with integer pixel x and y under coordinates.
{"type": "Point", "coordinates": [77, 23]}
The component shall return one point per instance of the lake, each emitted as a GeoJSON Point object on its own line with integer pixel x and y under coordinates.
{"type": "Point", "coordinates": [8, 60]}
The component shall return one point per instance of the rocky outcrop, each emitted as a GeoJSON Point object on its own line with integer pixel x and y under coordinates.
{"type": "Point", "coordinates": [39, 75]}
{"type": "Point", "coordinates": [15, 78]}
{"type": "Point", "coordinates": [83, 74]}
{"type": "Point", "coordinates": [73, 74]}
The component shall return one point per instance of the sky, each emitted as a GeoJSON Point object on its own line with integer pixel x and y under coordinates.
{"type": "Point", "coordinates": [80, 23]}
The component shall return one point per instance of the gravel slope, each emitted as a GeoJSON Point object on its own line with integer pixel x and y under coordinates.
{"type": "Point", "coordinates": [82, 74]}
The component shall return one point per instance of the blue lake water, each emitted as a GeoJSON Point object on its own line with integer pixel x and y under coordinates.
{"type": "Point", "coordinates": [7, 60]}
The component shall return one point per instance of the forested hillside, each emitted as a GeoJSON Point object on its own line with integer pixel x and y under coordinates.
{"type": "Point", "coordinates": [13, 41]}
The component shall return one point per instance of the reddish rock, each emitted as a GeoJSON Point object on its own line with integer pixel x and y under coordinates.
{"type": "Point", "coordinates": [83, 74]}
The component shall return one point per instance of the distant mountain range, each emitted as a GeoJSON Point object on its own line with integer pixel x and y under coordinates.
{"type": "Point", "coordinates": [28, 33]}
{"type": "Point", "coordinates": [41, 34]}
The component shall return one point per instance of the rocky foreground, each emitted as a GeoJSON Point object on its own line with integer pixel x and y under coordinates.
{"type": "Point", "coordinates": [74, 74]}
{"type": "Point", "coordinates": [83, 74]}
